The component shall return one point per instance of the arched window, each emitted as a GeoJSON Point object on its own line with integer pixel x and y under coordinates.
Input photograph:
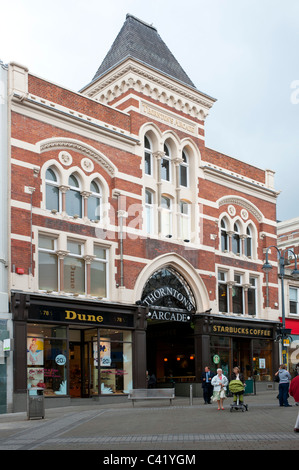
{"type": "Point", "coordinates": [149, 211]}
{"type": "Point", "coordinates": [224, 236]}
{"type": "Point", "coordinates": [166, 165]}
{"type": "Point", "coordinates": [73, 198]}
{"type": "Point", "coordinates": [236, 240]}
{"type": "Point", "coordinates": [166, 217]}
{"type": "Point", "coordinates": [148, 156]}
{"type": "Point", "coordinates": [248, 242]}
{"type": "Point", "coordinates": [184, 170]}
{"type": "Point", "coordinates": [52, 190]}
{"type": "Point", "coordinates": [94, 201]}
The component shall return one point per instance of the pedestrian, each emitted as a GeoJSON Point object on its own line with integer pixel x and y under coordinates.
{"type": "Point", "coordinates": [152, 381]}
{"type": "Point", "coordinates": [206, 378]}
{"type": "Point", "coordinates": [294, 389]}
{"type": "Point", "coordinates": [219, 382]}
{"type": "Point", "coordinates": [284, 382]}
{"type": "Point", "coordinates": [237, 375]}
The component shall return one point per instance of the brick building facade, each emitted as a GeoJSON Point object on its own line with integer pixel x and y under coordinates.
{"type": "Point", "coordinates": [133, 246]}
{"type": "Point", "coordinates": [288, 243]}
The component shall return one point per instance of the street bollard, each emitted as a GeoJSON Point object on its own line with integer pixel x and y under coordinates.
{"type": "Point", "coordinates": [191, 395]}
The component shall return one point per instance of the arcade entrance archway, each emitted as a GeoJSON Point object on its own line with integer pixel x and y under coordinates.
{"type": "Point", "coordinates": [170, 334]}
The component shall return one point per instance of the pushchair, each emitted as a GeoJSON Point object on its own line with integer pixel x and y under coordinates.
{"type": "Point", "coordinates": [237, 388]}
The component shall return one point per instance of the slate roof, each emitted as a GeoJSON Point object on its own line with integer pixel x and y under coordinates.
{"type": "Point", "coordinates": [141, 41]}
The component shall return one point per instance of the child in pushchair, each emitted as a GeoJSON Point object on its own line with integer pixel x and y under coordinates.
{"type": "Point", "coordinates": [237, 389]}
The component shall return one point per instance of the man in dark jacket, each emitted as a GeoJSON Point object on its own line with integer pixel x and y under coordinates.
{"type": "Point", "coordinates": [206, 378]}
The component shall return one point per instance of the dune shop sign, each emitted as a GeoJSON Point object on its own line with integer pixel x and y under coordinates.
{"type": "Point", "coordinates": [80, 316]}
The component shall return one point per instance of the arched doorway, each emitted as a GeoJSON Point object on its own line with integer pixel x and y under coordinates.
{"type": "Point", "coordinates": [170, 334]}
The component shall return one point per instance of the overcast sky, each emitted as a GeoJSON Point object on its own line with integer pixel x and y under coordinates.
{"type": "Point", "coordinates": [244, 53]}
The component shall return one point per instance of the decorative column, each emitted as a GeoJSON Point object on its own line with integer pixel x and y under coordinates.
{"type": "Point", "coordinates": [230, 285]}
{"type": "Point", "coordinates": [85, 195]}
{"type": "Point", "coordinates": [88, 260]}
{"type": "Point", "coordinates": [63, 190]}
{"type": "Point", "coordinates": [243, 238]}
{"type": "Point", "coordinates": [246, 287]}
{"type": "Point", "coordinates": [61, 254]}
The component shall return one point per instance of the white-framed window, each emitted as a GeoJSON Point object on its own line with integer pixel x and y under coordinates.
{"type": "Point", "coordinates": [74, 198]}
{"type": "Point", "coordinates": [252, 291]}
{"type": "Point", "coordinates": [224, 236]}
{"type": "Point", "coordinates": [294, 300]}
{"type": "Point", "coordinates": [99, 273]}
{"type": "Point", "coordinates": [166, 216]}
{"type": "Point", "coordinates": [248, 242]}
{"type": "Point", "coordinates": [94, 201]}
{"type": "Point", "coordinates": [184, 170]}
{"type": "Point", "coordinates": [149, 211]}
{"type": "Point", "coordinates": [74, 268]}
{"type": "Point", "coordinates": [185, 222]}
{"type": "Point", "coordinates": [166, 164]}
{"type": "Point", "coordinates": [52, 190]}
{"type": "Point", "coordinates": [148, 156]}
{"type": "Point", "coordinates": [238, 295]}
{"type": "Point", "coordinates": [236, 240]}
{"type": "Point", "coordinates": [47, 263]}
{"type": "Point", "coordinates": [223, 300]}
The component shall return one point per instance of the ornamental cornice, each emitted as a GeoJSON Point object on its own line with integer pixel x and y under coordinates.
{"type": "Point", "coordinates": [162, 89]}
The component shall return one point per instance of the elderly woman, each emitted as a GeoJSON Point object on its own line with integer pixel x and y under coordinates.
{"type": "Point", "coordinates": [219, 383]}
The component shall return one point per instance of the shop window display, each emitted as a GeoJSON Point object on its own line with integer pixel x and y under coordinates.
{"type": "Point", "coordinates": [262, 360]}
{"type": "Point", "coordinates": [47, 359]}
{"type": "Point", "coordinates": [115, 361]}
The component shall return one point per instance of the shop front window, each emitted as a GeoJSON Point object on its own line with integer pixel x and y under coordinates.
{"type": "Point", "coordinates": [115, 361]}
{"type": "Point", "coordinates": [220, 354]}
{"type": "Point", "coordinates": [47, 359]}
{"type": "Point", "coordinates": [293, 356]}
{"type": "Point", "coordinates": [262, 360]}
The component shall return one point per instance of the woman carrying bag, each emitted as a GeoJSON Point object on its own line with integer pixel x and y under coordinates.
{"type": "Point", "coordinates": [219, 383]}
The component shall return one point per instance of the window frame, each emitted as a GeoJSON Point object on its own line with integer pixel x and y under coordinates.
{"type": "Point", "coordinates": [52, 252]}
{"type": "Point", "coordinates": [184, 165]}
{"type": "Point", "coordinates": [222, 284]}
{"type": "Point", "coordinates": [296, 302]}
{"type": "Point", "coordinates": [53, 184]}
{"type": "Point", "coordinates": [149, 212]}
{"type": "Point", "coordinates": [80, 256]}
{"type": "Point", "coordinates": [166, 212]}
{"type": "Point", "coordinates": [167, 159]}
{"type": "Point", "coordinates": [185, 221]}
{"type": "Point", "coordinates": [148, 156]}
{"type": "Point", "coordinates": [74, 190]}
{"type": "Point", "coordinates": [98, 196]}
{"type": "Point", "coordinates": [105, 262]}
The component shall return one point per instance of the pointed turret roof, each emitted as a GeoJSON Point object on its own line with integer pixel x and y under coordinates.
{"type": "Point", "coordinates": [141, 41]}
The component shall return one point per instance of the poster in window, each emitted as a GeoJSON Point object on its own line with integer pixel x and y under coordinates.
{"type": "Point", "coordinates": [35, 351]}
{"type": "Point", "coordinates": [105, 353]}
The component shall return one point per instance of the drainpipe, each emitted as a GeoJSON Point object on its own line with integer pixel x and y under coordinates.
{"type": "Point", "coordinates": [121, 214]}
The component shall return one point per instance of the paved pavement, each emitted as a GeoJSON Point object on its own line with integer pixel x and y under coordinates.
{"type": "Point", "coordinates": [155, 427]}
